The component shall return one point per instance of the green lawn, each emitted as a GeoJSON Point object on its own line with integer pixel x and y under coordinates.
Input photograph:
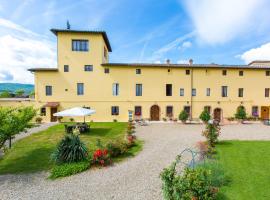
{"type": "Point", "coordinates": [32, 153]}
{"type": "Point", "coordinates": [248, 164]}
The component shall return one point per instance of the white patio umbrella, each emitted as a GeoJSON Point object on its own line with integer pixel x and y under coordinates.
{"type": "Point", "coordinates": [75, 112]}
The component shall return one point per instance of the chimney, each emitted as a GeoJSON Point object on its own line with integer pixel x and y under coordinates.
{"type": "Point", "coordinates": [168, 61]}
{"type": "Point", "coordinates": [190, 62]}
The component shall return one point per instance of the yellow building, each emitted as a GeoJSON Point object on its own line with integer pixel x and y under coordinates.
{"type": "Point", "coordinates": [117, 91]}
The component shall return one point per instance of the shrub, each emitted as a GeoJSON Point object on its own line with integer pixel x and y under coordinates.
{"type": "Point", "coordinates": [68, 169]}
{"type": "Point", "coordinates": [183, 116]}
{"type": "Point", "coordinates": [114, 120]}
{"type": "Point", "coordinates": [71, 119]}
{"type": "Point", "coordinates": [101, 157]}
{"type": "Point", "coordinates": [116, 148]}
{"type": "Point", "coordinates": [192, 184]}
{"type": "Point", "coordinates": [70, 149]}
{"type": "Point", "coordinates": [131, 140]}
{"type": "Point", "coordinates": [205, 116]}
{"type": "Point", "coordinates": [59, 118]}
{"type": "Point", "coordinates": [203, 149]}
{"type": "Point", "coordinates": [241, 113]}
{"type": "Point", "coordinates": [39, 120]}
{"type": "Point", "coordinates": [211, 132]}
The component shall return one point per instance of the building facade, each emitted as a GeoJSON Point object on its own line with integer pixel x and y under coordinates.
{"type": "Point", "coordinates": [118, 91]}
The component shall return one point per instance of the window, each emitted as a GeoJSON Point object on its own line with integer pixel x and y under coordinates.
{"type": "Point", "coordinates": [224, 72]}
{"type": "Point", "coordinates": [115, 89]}
{"type": "Point", "coordinates": [240, 92]}
{"type": "Point", "coordinates": [193, 92]}
{"type": "Point", "coordinates": [48, 90]}
{"type": "Point", "coordinates": [138, 111]}
{"type": "Point", "coordinates": [267, 73]}
{"type": "Point", "coordinates": [187, 72]}
{"type": "Point", "coordinates": [169, 70]}
{"type": "Point", "coordinates": [138, 89]}
{"type": "Point", "coordinates": [182, 92]}
{"type": "Point", "coordinates": [208, 92]}
{"type": "Point", "coordinates": [224, 91]}
{"type": "Point", "coordinates": [80, 88]}
{"type": "Point", "coordinates": [208, 109]}
{"type": "Point", "coordinates": [79, 45]}
{"type": "Point", "coordinates": [266, 93]}
{"type": "Point", "coordinates": [187, 109]}
{"type": "Point", "coordinates": [106, 70]}
{"type": "Point", "coordinates": [241, 73]}
{"type": "Point", "coordinates": [66, 68]}
{"type": "Point", "coordinates": [255, 111]}
{"type": "Point", "coordinates": [169, 111]}
{"type": "Point", "coordinates": [43, 111]}
{"type": "Point", "coordinates": [105, 52]}
{"type": "Point", "coordinates": [115, 110]}
{"type": "Point", "coordinates": [168, 89]}
{"type": "Point", "coordinates": [88, 68]}
{"type": "Point", "coordinates": [138, 71]}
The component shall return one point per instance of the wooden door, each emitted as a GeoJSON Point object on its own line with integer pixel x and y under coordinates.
{"type": "Point", "coordinates": [217, 114]}
{"type": "Point", "coordinates": [154, 113]}
{"type": "Point", "coordinates": [264, 112]}
{"type": "Point", "coordinates": [53, 118]}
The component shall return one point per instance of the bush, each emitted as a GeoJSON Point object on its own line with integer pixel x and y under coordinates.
{"type": "Point", "coordinates": [68, 169]}
{"type": "Point", "coordinates": [114, 120]}
{"type": "Point", "coordinates": [192, 184]}
{"type": "Point", "coordinates": [59, 119]}
{"type": "Point", "coordinates": [205, 116]}
{"type": "Point", "coordinates": [116, 148]}
{"type": "Point", "coordinates": [39, 120]}
{"type": "Point", "coordinates": [71, 119]}
{"type": "Point", "coordinates": [241, 113]}
{"type": "Point", "coordinates": [101, 157]}
{"type": "Point", "coordinates": [69, 150]}
{"type": "Point", "coordinates": [183, 116]}
{"type": "Point", "coordinates": [211, 132]}
{"type": "Point", "coordinates": [203, 149]}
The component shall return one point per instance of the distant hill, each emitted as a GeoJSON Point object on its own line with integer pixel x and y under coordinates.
{"type": "Point", "coordinates": [12, 87]}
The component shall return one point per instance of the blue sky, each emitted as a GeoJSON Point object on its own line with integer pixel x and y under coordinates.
{"type": "Point", "coordinates": [208, 31]}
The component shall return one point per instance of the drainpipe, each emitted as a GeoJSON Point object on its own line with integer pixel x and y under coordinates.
{"type": "Point", "coordinates": [191, 85]}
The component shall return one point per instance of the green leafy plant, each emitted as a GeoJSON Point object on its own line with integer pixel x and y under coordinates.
{"type": "Point", "coordinates": [116, 148]}
{"type": "Point", "coordinates": [71, 119]}
{"type": "Point", "coordinates": [70, 149]}
{"type": "Point", "coordinates": [183, 116]}
{"type": "Point", "coordinates": [5, 94]}
{"type": "Point", "coordinates": [19, 92]}
{"type": "Point", "coordinates": [14, 121]}
{"type": "Point", "coordinates": [205, 116]}
{"type": "Point", "coordinates": [60, 118]}
{"type": "Point", "coordinates": [69, 169]}
{"type": "Point", "coordinates": [211, 132]}
{"type": "Point", "coordinates": [241, 113]}
{"type": "Point", "coordinates": [191, 184]}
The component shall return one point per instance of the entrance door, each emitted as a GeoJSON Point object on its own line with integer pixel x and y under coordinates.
{"type": "Point", "coordinates": [154, 113]}
{"type": "Point", "coordinates": [264, 112]}
{"type": "Point", "coordinates": [53, 118]}
{"type": "Point", "coordinates": [217, 114]}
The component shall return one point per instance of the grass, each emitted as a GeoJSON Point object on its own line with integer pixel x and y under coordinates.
{"type": "Point", "coordinates": [32, 154]}
{"type": "Point", "coordinates": [248, 164]}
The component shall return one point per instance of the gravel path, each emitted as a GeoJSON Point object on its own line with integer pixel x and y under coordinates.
{"type": "Point", "coordinates": [136, 178]}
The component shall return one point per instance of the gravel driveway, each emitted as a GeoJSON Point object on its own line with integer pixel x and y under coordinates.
{"type": "Point", "coordinates": [136, 178]}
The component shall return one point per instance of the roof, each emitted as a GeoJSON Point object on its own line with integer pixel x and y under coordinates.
{"type": "Point", "coordinates": [104, 34]}
{"type": "Point", "coordinates": [259, 61]}
{"type": "Point", "coordinates": [43, 69]}
{"type": "Point", "coordinates": [184, 65]}
{"type": "Point", "coordinates": [51, 104]}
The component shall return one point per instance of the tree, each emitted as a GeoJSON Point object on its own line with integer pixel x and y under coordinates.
{"type": "Point", "coordinates": [19, 92]}
{"type": "Point", "coordinates": [13, 121]}
{"type": "Point", "coordinates": [5, 94]}
{"type": "Point", "coordinates": [205, 116]}
{"type": "Point", "coordinates": [32, 94]}
{"type": "Point", "coordinates": [183, 116]}
{"type": "Point", "coordinates": [241, 113]}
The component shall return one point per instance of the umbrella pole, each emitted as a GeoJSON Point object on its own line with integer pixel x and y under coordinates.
{"type": "Point", "coordinates": [84, 119]}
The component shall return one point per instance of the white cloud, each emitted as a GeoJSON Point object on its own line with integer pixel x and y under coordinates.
{"type": "Point", "coordinates": [185, 45]}
{"type": "Point", "coordinates": [21, 49]}
{"type": "Point", "coordinates": [260, 53]}
{"type": "Point", "coordinates": [220, 21]}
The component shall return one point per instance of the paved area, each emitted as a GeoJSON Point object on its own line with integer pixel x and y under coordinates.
{"type": "Point", "coordinates": [136, 178]}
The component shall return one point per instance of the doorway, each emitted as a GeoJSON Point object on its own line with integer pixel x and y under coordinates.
{"type": "Point", "coordinates": [218, 114]}
{"type": "Point", "coordinates": [53, 118]}
{"type": "Point", "coordinates": [154, 113]}
{"type": "Point", "coordinates": [264, 112]}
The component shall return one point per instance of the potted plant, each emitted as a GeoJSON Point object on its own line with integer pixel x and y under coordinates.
{"type": "Point", "coordinates": [59, 119]}
{"type": "Point", "coordinates": [241, 114]}
{"type": "Point", "coordinates": [205, 116]}
{"type": "Point", "coordinates": [39, 120]}
{"type": "Point", "coordinates": [183, 116]}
